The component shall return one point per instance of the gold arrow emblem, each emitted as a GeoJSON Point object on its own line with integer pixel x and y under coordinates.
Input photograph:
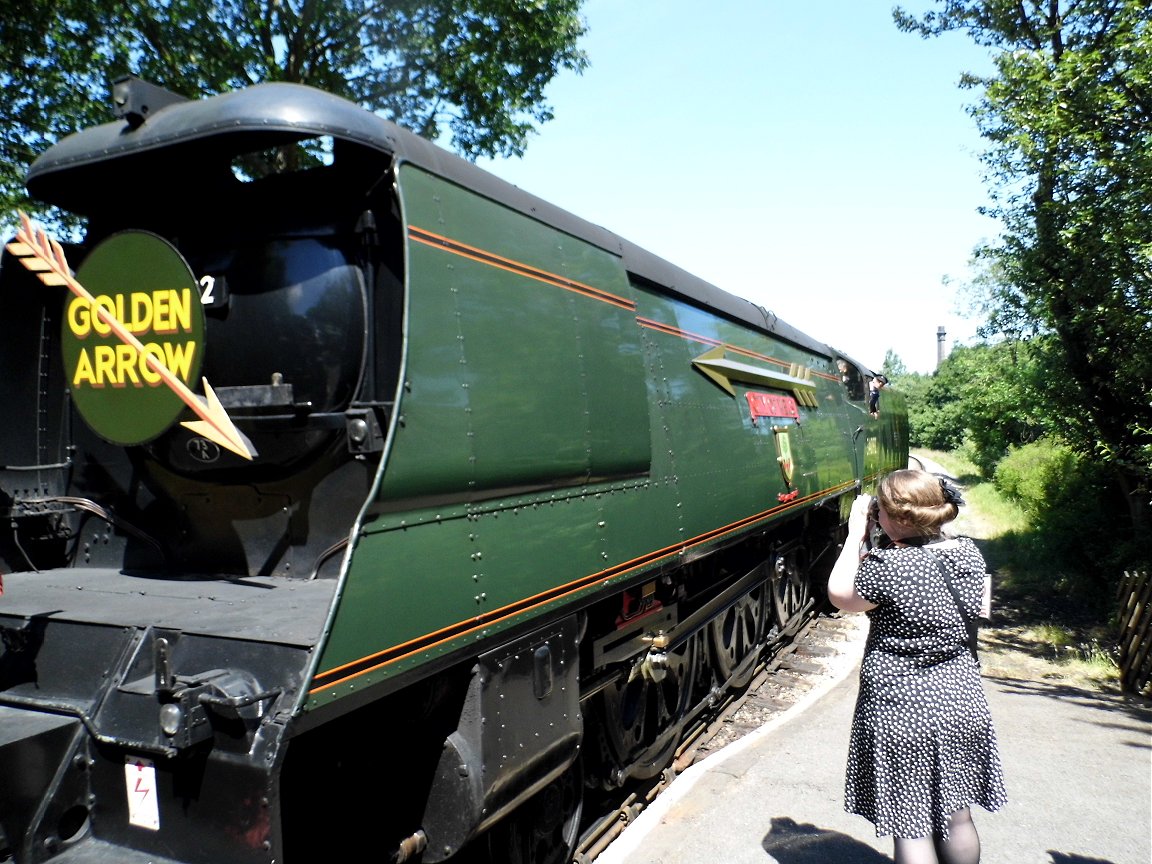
{"type": "Point", "coordinates": [45, 257]}
{"type": "Point", "coordinates": [723, 372]}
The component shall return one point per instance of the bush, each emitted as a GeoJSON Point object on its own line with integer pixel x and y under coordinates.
{"type": "Point", "coordinates": [1077, 524]}
{"type": "Point", "coordinates": [1035, 474]}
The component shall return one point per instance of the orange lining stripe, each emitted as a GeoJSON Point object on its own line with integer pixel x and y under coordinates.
{"type": "Point", "coordinates": [474, 253]}
{"type": "Point", "coordinates": [354, 669]}
{"type": "Point", "coordinates": [439, 241]}
{"type": "Point", "coordinates": [736, 349]}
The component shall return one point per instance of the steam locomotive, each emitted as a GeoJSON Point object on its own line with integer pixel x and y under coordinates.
{"type": "Point", "coordinates": [358, 503]}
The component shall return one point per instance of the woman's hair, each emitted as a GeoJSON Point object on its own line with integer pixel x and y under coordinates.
{"type": "Point", "coordinates": [916, 499]}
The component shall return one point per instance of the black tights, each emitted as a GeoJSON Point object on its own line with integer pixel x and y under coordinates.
{"type": "Point", "coordinates": [962, 846]}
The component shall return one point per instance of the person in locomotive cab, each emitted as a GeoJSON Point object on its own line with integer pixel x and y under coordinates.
{"type": "Point", "coordinates": [878, 383]}
{"type": "Point", "coordinates": [852, 379]}
{"type": "Point", "coordinates": [922, 747]}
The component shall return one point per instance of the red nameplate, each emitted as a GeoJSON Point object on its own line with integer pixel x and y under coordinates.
{"type": "Point", "coordinates": [772, 405]}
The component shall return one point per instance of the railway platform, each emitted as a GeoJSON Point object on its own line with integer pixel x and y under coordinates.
{"type": "Point", "coordinates": [1078, 767]}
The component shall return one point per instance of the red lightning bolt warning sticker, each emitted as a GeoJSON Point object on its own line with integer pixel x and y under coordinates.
{"type": "Point", "coordinates": [140, 781]}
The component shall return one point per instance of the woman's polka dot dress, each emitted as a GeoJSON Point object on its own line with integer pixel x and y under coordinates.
{"type": "Point", "coordinates": [922, 743]}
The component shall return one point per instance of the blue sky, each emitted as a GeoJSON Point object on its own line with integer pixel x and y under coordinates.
{"type": "Point", "coordinates": [807, 156]}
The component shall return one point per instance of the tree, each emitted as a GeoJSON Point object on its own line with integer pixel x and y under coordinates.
{"type": "Point", "coordinates": [893, 366]}
{"type": "Point", "coordinates": [1068, 120]}
{"type": "Point", "coordinates": [983, 397]}
{"type": "Point", "coordinates": [475, 69]}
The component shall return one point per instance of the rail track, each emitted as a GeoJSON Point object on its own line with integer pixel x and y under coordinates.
{"type": "Point", "coordinates": [820, 647]}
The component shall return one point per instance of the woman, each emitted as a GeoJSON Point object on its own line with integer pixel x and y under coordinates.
{"type": "Point", "coordinates": [923, 749]}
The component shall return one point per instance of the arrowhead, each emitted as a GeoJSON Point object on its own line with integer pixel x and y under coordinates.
{"type": "Point", "coordinates": [707, 363]}
{"type": "Point", "coordinates": [218, 426]}
{"type": "Point", "coordinates": [723, 372]}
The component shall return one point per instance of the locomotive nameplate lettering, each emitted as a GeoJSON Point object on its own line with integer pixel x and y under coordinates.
{"type": "Point", "coordinates": [120, 365]}
{"type": "Point", "coordinates": [771, 405]}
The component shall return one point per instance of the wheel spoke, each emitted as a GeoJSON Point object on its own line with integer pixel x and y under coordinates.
{"type": "Point", "coordinates": [736, 638]}
{"type": "Point", "coordinates": [791, 590]}
{"type": "Point", "coordinates": [643, 712]}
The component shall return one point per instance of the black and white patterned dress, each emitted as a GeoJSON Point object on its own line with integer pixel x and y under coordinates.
{"type": "Point", "coordinates": [922, 743]}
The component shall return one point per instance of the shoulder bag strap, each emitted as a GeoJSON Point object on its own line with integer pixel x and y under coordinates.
{"type": "Point", "coordinates": [969, 623]}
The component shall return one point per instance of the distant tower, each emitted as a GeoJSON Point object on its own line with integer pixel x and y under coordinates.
{"type": "Point", "coordinates": [940, 334]}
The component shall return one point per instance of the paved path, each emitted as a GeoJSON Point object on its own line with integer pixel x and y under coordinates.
{"type": "Point", "coordinates": [1078, 767]}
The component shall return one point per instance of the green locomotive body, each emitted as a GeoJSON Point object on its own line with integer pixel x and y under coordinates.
{"type": "Point", "coordinates": [508, 502]}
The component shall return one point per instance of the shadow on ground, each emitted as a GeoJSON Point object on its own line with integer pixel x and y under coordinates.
{"type": "Point", "coordinates": [789, 842]}
{"type": "Point", "coordinates": [1135, 707]}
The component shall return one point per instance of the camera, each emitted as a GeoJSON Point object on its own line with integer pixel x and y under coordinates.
{"type": "Point", "coordinates": [875, 538]}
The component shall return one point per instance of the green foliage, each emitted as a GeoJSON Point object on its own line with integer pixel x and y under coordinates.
{"type": "Point", "coordinates": [1004, 517]}
{"type": "Point", "coordinates": [1055, 635]}
{"type": "Point", "coordinates": [1060, 561]}
{"type": "Point", "coordinates": [893, 366]}
{"type": "Point", "coordinates": [1076, 656]}
{"type": "Point", "coordinates": [1071, 504]}
{"type": "Point", "coordinates": [940, 426]}
{"type": "Point", "coordinates": [1036, 473]}
{"type": "Point", "coordinates": [1068, 120]}
{"type": "Point", "coordinates": [985, 398]}
{"type": "Point", "coordinates": [473, 69]}
{"type": "Point", "coordinates": [991, 404]}
{"type": "Point", "coordinates": [930, 424]}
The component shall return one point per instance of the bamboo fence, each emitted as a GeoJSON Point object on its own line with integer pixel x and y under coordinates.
{"type": "Point", "coordinates": [1136, 633]}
